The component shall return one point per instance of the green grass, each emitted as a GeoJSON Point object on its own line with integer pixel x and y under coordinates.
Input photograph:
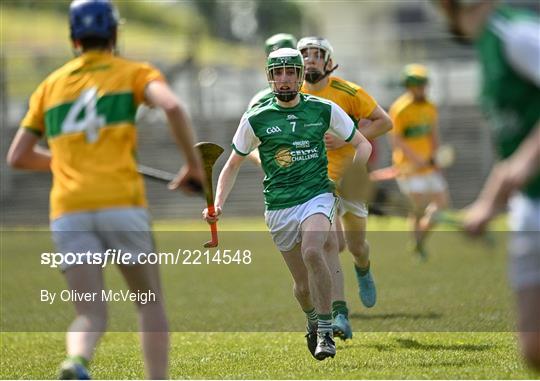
{"type": "Point", "coordinates": [450, 317]}
{"type": "Point", "coordinates": [281, 356]}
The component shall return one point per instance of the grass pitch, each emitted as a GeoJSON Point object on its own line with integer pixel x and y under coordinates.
{"type": "Point", "coordinates": [280, 356]}
{"type": "Point", "coordinates": [449, 317]}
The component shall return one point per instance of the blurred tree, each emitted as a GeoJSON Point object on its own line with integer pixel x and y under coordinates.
{"type": "Point", "coordinates": [279, 16]}
{"type": "Point", "coordinates": [251, 20]}
{"type": "Point", "coordinates": [176, 17]}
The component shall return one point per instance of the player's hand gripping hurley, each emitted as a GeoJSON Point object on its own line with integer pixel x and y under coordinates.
{"type": "Point", "coordinates": [210, 152]}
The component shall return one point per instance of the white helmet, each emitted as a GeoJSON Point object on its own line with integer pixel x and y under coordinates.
{"type": "Point", "coordinates": [318, 43]}
{"type": "Point", "coordinates": [314, 76]}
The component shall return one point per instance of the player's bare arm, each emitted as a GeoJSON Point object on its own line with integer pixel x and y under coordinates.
{"type": "Point", "coordinates": [159, 94]}
{"type": "Point", "coordinates": [380, 125]}
{"type": "Point", "coordinates": [333, 142]}
{"type": "Point", "coordinates": [254, 157]}
{"type": "Point", "coordinates": [514, 172]}
{"type": "Point", "coordinates": [398, 142]}
{"type": "Point", "coordinates": [523, 164]}
{"type": "Point", "coordinates": [435, 141]}
{"type": "Point", "coordinates": [226, 181]}
{"type": "Point", "coordinates": [24, 153]}
{"type": "Point", "coordinates": [363, 148]}
{"type": "Point", "coordinates": [506, 177]}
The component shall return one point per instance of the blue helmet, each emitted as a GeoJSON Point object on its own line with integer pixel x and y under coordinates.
{"type": "Point", "coordinates": [92, 18]}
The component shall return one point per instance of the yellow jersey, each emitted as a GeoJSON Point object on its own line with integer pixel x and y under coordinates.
{"type": "Point", "coordinates": [86, 110]}
{"type": "Point", "coordinates": [357, 103]}
{"type": "Point", "coordinates": [415, 123]}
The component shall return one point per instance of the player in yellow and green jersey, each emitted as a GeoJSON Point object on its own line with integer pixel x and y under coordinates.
{"type": "Point", "coordinates": [351, 227]}
{"type": "Point", "coordinates": [86, 112]}
{"type": "Point", "coordinates": [415, 140]}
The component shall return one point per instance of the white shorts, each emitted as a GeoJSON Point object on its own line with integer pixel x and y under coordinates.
{"type": "Point", "coordinates": [524, 245]}
{"type": "Point", "coordinates": [125, 229]}
{"type": "Point", "coordinates": [356, 208]}
{"type": "Point", "coordinates": [284, 224]}
{"type": "Point", "coordinates": [432, 182]}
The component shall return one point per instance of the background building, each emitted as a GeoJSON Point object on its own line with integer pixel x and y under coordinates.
{"type": "Point", "coordinates": [212, 53]}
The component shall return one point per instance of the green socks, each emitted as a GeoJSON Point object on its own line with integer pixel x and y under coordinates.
{"type": "Point", "coordinates": [79, 359]}
{"type": "Point", "coordinates": [362, 271]}
{"type": "Point", "coordinates": [312, 316]}
{"type": "Point", "coordinates": [340, 307]}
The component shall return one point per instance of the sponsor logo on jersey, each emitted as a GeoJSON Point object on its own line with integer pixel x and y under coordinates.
{"type": "Point", "coordinates": [301, 144]}
{"type": "Point", "coordinates": [291, 117]}
{"type": "Point", "coordinates": [273, 130]}
{"type": "Point", "coordinates": [305, 154]}
{"type": "Point", "coordinates": [283, 157]}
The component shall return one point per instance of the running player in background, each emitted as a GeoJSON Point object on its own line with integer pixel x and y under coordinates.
{"type": "Point", "coordinates": [351, 226]}
{"type": "Point", "coordinates": [288, 130]}
{"type": "Point", "coordinates": [507, 41]}
{"type": "Point", "coordinates": [415, 140]}
{"type": "Point", "coordinates": [86, 111]}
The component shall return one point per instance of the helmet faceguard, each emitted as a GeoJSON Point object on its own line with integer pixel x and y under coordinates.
{"type": "Point", "coordinates": [278, 41]}
{"type": "Point", "coordinates": [282, 59]}
{"type": "Point", "coordinates": [322, 44]}
{"type": "Point", "coordinates": [93, 19]}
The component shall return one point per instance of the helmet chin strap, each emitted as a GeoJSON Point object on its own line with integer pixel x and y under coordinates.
{"type": "Point", "coordinates": [313, 79]}
{"type": "Point", "coordinates": [286, 96]}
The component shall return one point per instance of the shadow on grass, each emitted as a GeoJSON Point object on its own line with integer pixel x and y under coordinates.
{"type": "Point", "coordinates": [396, 315]}
{"type": "Point", "coordinates": [413, 344]}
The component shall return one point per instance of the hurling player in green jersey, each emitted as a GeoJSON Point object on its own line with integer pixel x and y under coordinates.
{"type": "Point", "coordinates": [288, 130]}
{"type": "Point", "coordinates": [507, 41]}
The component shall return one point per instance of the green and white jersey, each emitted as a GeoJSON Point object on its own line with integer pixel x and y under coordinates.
{"type": "Point", "coordinates": [291, 147]}
{"type": "Point", "coordinates": [509, 50]}
{"type": "Point", "coordinates": [261, 97]}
